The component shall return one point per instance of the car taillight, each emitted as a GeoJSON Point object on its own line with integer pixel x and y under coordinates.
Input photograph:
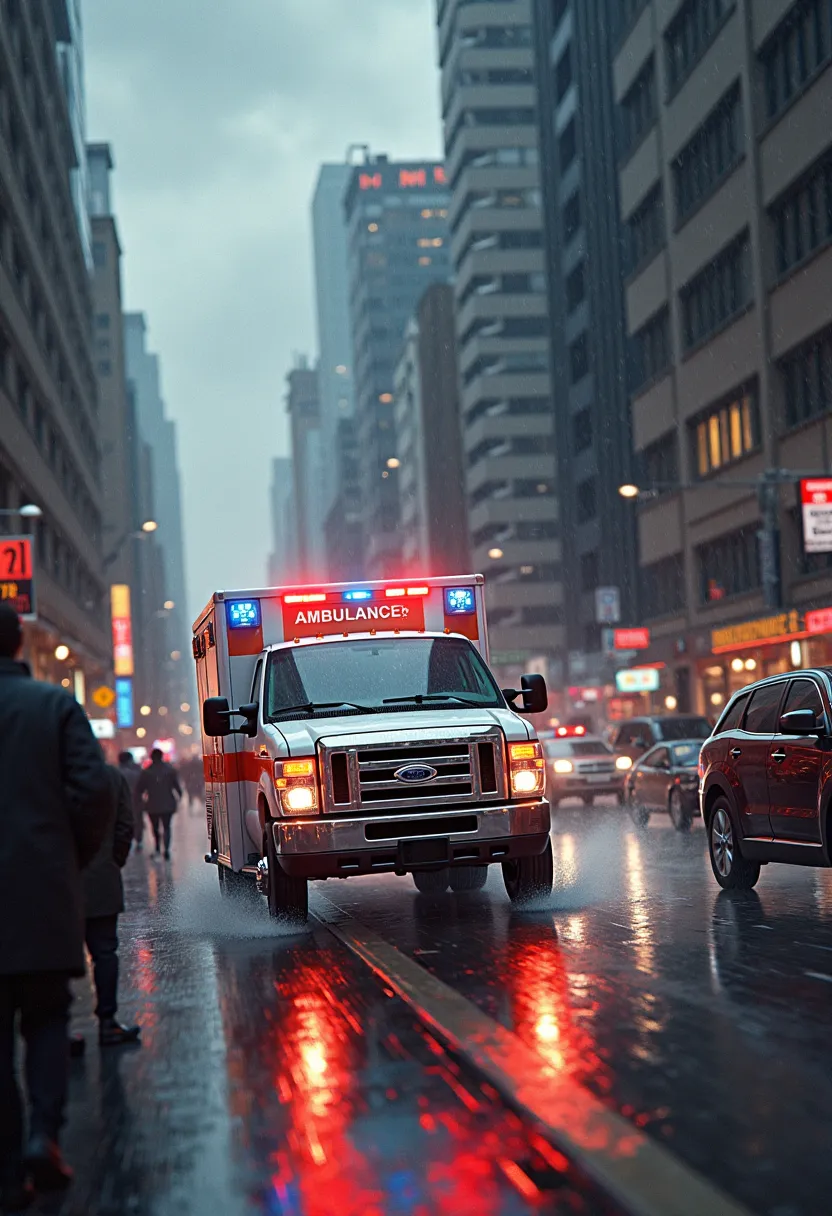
{"type": "Point", "coordinates": [296, 782]}
{"type": "Point", "coordinates": [527, 768]}
{"type": "Point", "coordinates": [700, 768]}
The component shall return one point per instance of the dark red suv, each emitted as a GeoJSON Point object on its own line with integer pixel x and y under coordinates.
{"type": "Point", "coordinates": [766, 778]}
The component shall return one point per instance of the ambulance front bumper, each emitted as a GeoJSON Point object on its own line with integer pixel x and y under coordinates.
{"type": "Point", "coordinates": [477, 835]}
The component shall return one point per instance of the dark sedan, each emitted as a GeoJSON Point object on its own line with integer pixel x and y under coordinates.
{"type": "Point", "coordinates": [666, 780]}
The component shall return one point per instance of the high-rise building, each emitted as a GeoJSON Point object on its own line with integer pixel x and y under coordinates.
{"type": "Point", "coordinates": [70, 50]}
{"type": "Point", "coordinates": [158, 433]}
{"type": "Point", "coordinates": [398, 244]}
{"type": "Point", "coordinates": [332, 296]}
{"type": "Point", "coordinates": [308, 472]}
{"type": "Point", "coordinates": [586, 301]}
{"type": "Point", "coordinates": [49, 416]}
{"type": "Point", "coordinates": [489, 107]}
{"type": "Point", "coordinates": [282, 568]}
{"type": "Point", "coordinates": [725, 189]}
{"type": "Point", "coordinates": [434, 524]}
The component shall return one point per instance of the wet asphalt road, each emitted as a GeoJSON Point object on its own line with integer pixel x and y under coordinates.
{"type": "Point", "coordinates": [278, 1073]}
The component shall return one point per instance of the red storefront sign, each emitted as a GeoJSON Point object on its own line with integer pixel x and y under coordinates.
{"type": "Point", "coordinates": [819, 620]}
{"type": "Point", "coordinates": [631, 639]}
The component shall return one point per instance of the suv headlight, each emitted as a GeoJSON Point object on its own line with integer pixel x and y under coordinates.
{"type": "Point", "coordinates": [527, 768]}
{"type": "Point", "coordinates": [296, 782]}
{"type": "Point", "coordinates": [623, 764]}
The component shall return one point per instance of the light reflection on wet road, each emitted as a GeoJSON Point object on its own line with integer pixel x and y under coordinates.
{"type": "Point", "coordinates": [276, 1073]}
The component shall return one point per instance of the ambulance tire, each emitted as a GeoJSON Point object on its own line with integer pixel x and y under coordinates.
{"type": "Point", "coordinates": [529, 879]}
{"type": "Point", "coordinates": [468, 878]}
{"type": "Point", "coordinates": [431, 882]}
{"type": "Point", "coordinates": [288, 896]}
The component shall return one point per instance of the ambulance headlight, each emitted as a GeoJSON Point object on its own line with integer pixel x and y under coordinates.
{"type": "Point", "coordinates": [527, 768]}
{"type": "Point", "coordinates": [296, 782]}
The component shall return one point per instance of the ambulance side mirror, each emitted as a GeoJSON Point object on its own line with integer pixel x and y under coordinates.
{"type": "Point", "coordinates": [534, 693]}
{"type": "Point", "coordinates": [250, 713]}
{"type": "Point", "coordinates": [216, 717]}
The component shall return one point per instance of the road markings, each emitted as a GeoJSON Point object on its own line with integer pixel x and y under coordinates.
{"type": "Point", "coordinates": [633, 1170]}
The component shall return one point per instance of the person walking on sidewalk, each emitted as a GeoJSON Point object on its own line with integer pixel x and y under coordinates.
{"type": "Point", "coordinates": [103, 901]}
{"type": "Point", "coordinates": [159, 790]}
{"type": "Point", "coordinates": [55, 805]}
{"type": "Point", "coordinates": [131, 772]}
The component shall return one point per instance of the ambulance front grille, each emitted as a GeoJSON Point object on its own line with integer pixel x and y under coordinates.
{"type": "Point", "coordinates": [363, 778]}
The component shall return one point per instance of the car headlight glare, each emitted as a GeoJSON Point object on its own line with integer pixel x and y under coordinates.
{"type": "Point", "coordinates": [563, 766]}
{"type": "Point", "coordinates": [528, 768]}
{"type": "Point", "coordinates": [623, 763]}
{"type": "Point", "coordinates": [296, 782]}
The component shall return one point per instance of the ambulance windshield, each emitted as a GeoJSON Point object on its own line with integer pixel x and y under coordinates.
{"type": "Point", "coordinates": [382, 674]}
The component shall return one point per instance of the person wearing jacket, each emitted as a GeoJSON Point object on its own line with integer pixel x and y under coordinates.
{"type": "Point", "coordinates": [103, 901]}
{"type": "Point", "coordinates": [55, 806]}
{"type": "Point", "coordinates": [131, 772]}
{"type": "Point", "coordinates": [159, 790]}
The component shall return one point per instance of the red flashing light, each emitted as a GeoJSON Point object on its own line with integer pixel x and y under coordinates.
{"type": "Point", "coordinates": [318, 598]}
{"type": "Point", "coordinates": [418, 591]}
{"type": "Point", "coordinates": [565, 732]}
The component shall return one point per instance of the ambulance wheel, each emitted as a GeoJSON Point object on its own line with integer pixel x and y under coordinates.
{"type": "Point", "coordinates": [431, 882]}
{"type": "Point", "coordinates": [288, 896]}
{"type": "Point", "coordinates": [468, 878]}
{"type": "Point", "coordinates": [530, 878]}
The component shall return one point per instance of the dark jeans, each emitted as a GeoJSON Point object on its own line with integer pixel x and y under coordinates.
{"type": "Point", "coordinates": [161, 829]}
{"type": "Point", "coordinates": [43, 1002]}
{"type": "Point", "coordinates": [101, 935]}
{"type": "Point", "coordinates": [138, 823]}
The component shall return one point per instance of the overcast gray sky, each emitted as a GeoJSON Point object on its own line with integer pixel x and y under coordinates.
{"type": "Point", "coordinates": [219, 114]}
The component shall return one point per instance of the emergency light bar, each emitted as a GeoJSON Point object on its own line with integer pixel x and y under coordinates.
{"type": "Point", "coordinates": [243, 614]}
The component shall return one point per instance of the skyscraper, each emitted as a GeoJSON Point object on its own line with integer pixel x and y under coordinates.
{"type": "Point", "coordinates": [589, 346]}
{"type": "Point", "coordinates": [282, 567]}
{"type": "Point", "coordinates": [329, 232]}
{"type": "Point", "coordinates": [308, 471]}
{"type": "Point", "coordinates": [489, 106]}
{"type": "Point", "coordinates": [398, 244]}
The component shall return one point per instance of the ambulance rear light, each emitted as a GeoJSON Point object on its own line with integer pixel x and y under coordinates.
{"type": "Point", "coordinates": [319, 597]}
{"type": "Point", "coordinates": [296, 782]}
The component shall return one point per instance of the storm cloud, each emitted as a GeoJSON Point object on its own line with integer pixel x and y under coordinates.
{"type": "Point", "coordinates": [219, 115]}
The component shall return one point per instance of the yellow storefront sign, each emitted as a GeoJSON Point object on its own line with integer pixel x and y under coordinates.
{"type": "Point", "coordinates": [767, 629]}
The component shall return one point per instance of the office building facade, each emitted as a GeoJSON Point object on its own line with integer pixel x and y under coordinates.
{"type": "Point", "coordinates": [396, 214]}
{"type": "Point", "coordinates": [282, 565]}
{"type": "Point", "coordinates": [589, 343]}
{"type": "Point", "coordinates": [434, 524]}
{"type": "Point", "coordinates": [726, 197]}
{"type": "Point", "coordinates": [303, 405]}
{"type": "Point", "coordinates": [489, 107]}
{"type": "Point", "coordinates": [50, 453]}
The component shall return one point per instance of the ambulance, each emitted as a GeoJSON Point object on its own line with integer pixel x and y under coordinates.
{"type": "Point", "coordinates": [354, 729]}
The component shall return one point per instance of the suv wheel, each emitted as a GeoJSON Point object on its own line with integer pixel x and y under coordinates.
{"type": "Point", "coordinates": [731, 870]}
{"type": "Point", "coordinates": [680, 816]}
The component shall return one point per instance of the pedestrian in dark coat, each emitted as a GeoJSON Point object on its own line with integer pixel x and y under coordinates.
{"type": "Point", "coordinates": [159, 789]}
{"type": "Point", "coordinates": [103, 901]}
{"type": "Point", "coordinates": [131, 771]}
{"type": "Point", "coordinates": [55, 803]}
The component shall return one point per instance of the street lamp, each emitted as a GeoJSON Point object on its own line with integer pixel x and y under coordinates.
{"type": "Point", "coordinates": [62, 652]}
{"type": "Point", "coordinates": [169, 605]}
{"type": "Point", "coordinates": [27, 511]}
{"type": "Point", "coordinates": [393, 462]}
{"type": "Point", "coordinates": [629, 491]}
{"type": "Point", "coordinates": [495, 554]}
{"type": "Point", "coordinates": [149, 525]}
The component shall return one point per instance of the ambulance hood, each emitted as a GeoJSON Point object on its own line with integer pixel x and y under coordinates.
{"type": "Point", "coordinates": [302, 737]}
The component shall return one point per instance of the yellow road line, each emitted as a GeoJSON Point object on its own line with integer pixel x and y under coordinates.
{"type": "Point", "coordinates": [635, 1171]}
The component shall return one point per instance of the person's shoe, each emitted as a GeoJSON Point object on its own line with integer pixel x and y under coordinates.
{"type": "Point", "coordinates": [167, 854]}
{"type": "Point", "coordinates": [77, 1046]}
{"type": "Point", "coordinates": [16, 1197]}
{"type": "Point", "coordinates": [45, 1164]}
{"type": "Point", "coordinates": [112, 1034]}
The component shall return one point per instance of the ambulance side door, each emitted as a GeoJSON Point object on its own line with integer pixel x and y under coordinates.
{"type": "Point", "coordinates": [216, 786]}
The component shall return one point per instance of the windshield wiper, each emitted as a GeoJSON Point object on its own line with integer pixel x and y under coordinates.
{"type": "Point", "coordinates": [311, 706]}
{"type": "Point", "coordinates": [420, 698]}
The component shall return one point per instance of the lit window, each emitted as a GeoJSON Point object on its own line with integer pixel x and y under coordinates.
{"type": "Point", "coordinates": [425, 261]}
{"type": "Point", "coordinates": [372, 227]}
{"type": "Point", "coordinates": [385, 398]}
{"type": "Point", "coordinates": [725, 435]}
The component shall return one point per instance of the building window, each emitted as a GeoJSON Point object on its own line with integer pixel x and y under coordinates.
{"type": "Point", "coordinates": [725, 435]}
{"type": "Point", "coordinates": [714, 150]}
{"type": "Point", "coordinates": [659, 462]}
{"type": "Point", "coordinates": [571, 216]}
{"type": "Point", "coordinates": [589, 571]}
{"type": "Point", "coordinates": [102, 320]}
{"type": "Point", "coordinates": [586, 501]}
{"type": "Point", "coordinates": [579, 359]}
{"type": "Point", "coordinates": [624, 15]}
{"type": "Point", "coordinates": [807, 379]}
{"type": "Point", "coordinates": [717, 294]}
{"type": "Point", "coordinates": [563, 74]}
{"type": "Point", "coordinates": [582, 430]}
{"type": "Point", "coordinates": [568, 145]}
{"type": "Point", "coordinates": [802, 219]}
{"type": "Point", "coordinates": [801, 44]}
{"type": "Point", "coordinates": [637, 111]}
{"type": "Point", "coordinates": [99, 254]}
{"type": "Point", "coordinates": [689, 35]}
{"type": "Point", "coordinates": [663, 587]}
{"type": "Point", "coordinates": [728, 566]}
{"type": "Point", "coordinates": [575, 288]}
{"type": "Point", "coordinates": [646, 232]}
{"type": "Point", "coordinates": [650, 350]}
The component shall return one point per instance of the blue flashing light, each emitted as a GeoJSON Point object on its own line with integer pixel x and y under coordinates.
{"type": "Point", "coordinates": [243, 614]}
{"type": "Point", "coordinates": [358, 595]}
{"type": "Point", "coordinates": [460, 601]}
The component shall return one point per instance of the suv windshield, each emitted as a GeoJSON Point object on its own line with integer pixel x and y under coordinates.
{"type": "Point", "coordinates": [684, 728]}
{"type": "Point", "coordinates": [576, 747]}
{"type": "Point", "coordinates": [367, 673]}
